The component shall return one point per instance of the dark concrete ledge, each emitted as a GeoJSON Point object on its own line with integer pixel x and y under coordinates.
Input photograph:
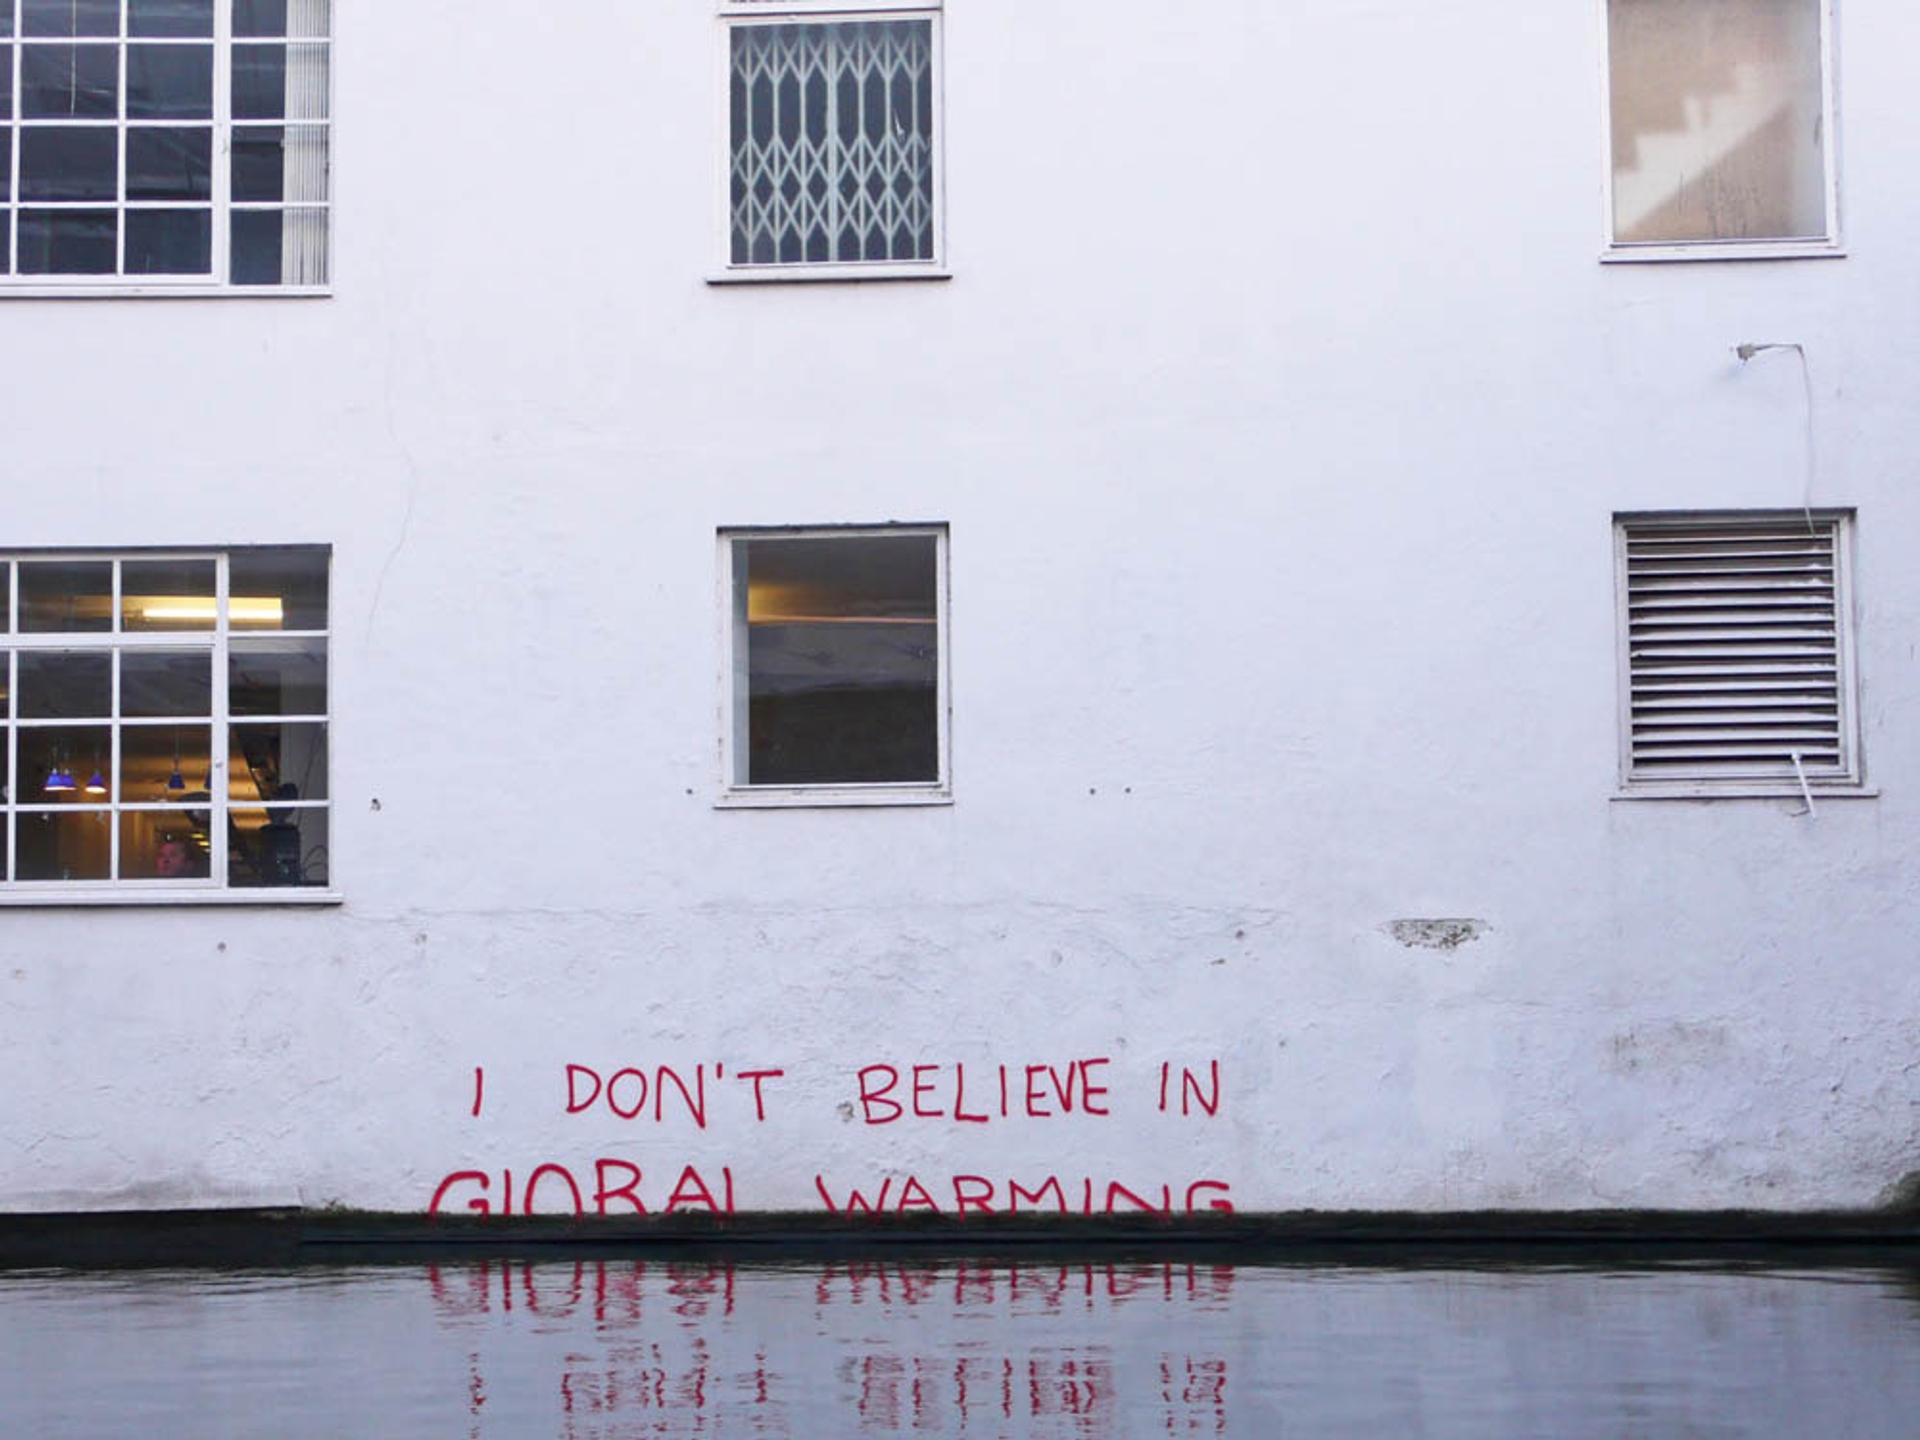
{"type": "Point", "coordinates": [283, 1238]}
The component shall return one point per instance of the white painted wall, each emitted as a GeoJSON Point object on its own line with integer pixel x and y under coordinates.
{"type": "Point", "coordinates": [1278, 407]}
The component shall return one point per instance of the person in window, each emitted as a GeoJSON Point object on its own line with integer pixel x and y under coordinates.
{"type": "Point", "coordinates": [177, 859]}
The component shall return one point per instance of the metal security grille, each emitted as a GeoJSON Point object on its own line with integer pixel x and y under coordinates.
{"type": "Point", "coordinates": [1735, 648]}
{"type": "Point", "coordinates": [832, 142]}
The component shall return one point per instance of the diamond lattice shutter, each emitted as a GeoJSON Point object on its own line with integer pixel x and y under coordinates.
{"type": "Point", "coordinates": [1735, 636]}
{"type": "Point", "coordinates": [832, 142]}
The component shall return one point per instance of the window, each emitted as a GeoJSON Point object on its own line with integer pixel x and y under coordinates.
{"type": "Point", "coordinates": [836, 666]}
{"type": "Point", "coordinates": [1736, 652]}
{"type": "Point", "coordinates": [1721, 118]}
{"type": "Point", "coordinates": [833, 161]}
{"type": "Point", "coordinates": [163, 143]}
{"type": "Point", "coordinates": [165, 719]}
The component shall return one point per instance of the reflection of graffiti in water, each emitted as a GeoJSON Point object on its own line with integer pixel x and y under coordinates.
{"type": "Point", "coordinates": [650, 1348]}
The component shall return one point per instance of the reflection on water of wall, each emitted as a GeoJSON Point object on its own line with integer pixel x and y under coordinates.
{"type": "Point", "coordinates": [595, 1349]}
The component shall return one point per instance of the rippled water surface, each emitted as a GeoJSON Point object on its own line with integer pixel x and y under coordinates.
{"type": "Point", "coordinates": [597, 1349]}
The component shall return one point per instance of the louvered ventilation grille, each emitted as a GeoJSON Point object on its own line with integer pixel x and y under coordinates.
{"type": "Point", "coordinates": [1733, 648]}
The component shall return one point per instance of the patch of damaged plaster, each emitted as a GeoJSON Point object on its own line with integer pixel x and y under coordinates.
{"type": "Point", "coordinates": [1440, 934]}
{"type": "Point", "coordinates": [1902, 1196]}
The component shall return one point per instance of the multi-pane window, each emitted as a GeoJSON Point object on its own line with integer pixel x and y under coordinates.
{"type": "Point", "coordinates": [836, 665]}
{"type": "Point", "coordinates": [832, 152]}
{"type": "Point", "coordinates": [164, 720]}
{"type": "Point", "coordinates": [1721, 122]}
{"type": "Point", "coordinates": [164, 142]}
{"type": "Point", "coordinates": [1736, 650]}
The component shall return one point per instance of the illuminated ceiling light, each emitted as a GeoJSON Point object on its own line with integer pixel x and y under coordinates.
{"type": "Point", "coordinates": [59, 782]}
{"type": "Point", "coordinates": [96, 784]}
{"type": "Point", "coordinates": [241, 609]}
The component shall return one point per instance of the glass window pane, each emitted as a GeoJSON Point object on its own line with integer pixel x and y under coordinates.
{"type": "Point", "coordinates": [68, 242]}
{"type": "Point", "coordinates": [70, 17]}
{"type": "Point", "coordinates": [274, 247]}
{"type": "Point", "coordinates": [66, 685]}
{"type": "Point", "coordinates": [169, 82]}
{"type": "Point", "coordinates": [277, 845]}
{"type": "Point", "coordinates": [66, 764]}
{"type": "Point", "coordinates": [259, 82]}
{"type": "Point", "coordinates": [66, 595]}
{"type": "Point", "coordinates": [6, 19]}
{"type": "Point", "coordinates": [166, 763]}
{"type": "Point", "coordinates": [278, 589]}
{"type": "Point", "coordinates": [842, 659]}
{"type": "Point", "coordinates": [170, 17]}
{"type": "Point", "coordinates": [167, 594]}
{"type": "Point", "coordinates": [281, 17]}
{"type": "Point", "coordinates": [277, 677]}
{"type": "Point", "coordinates": [61, 162]}
{"type": "Point", "coordinates": [53, 846]}
{"type": "Point", "coordinates": [170, 163]}
{"type": "Point", "coordinates": [1716, 113]}
{"type": "Point", "coordinates": [69, 82]}
{"type": "Point", "coordinates": [166, 682]}
{"type": "Point", "coordinates": [272, 163]}
{"type": "Point", "coordinates": [169, 242]}
{"type": "Point", "coordinates": [6, 80]}
{"type": "Point", "coordinates": [277, 762]}
{"type": "Point", "coordinates": [163, 845]}
{"type": "Point", "coordinates": [6, 593]}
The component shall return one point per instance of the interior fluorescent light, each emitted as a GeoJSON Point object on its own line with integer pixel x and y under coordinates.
{"type": "Point", "coordinates": [257, 609]}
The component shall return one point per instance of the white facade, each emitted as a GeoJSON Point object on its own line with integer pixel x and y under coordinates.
{"type": "Point", "coordinates": [1278, 409]}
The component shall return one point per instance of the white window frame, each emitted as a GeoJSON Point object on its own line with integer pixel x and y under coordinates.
{"type": "Point", "coordinates": [1710, 781]}
{"type": "Point", "coordinates": [220, 201]}
{"type": "Point", "coordinates": [1828, 246]}
{"type": "Point", "coordinates": [732, 794]}
{"type": "Point", "coordinates": [213, 888]}
{"type": "Point", "coordinates": [734, 14]}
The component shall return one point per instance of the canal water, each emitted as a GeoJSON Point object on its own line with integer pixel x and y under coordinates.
{"type": "Point", "coordinates": [593, 1349]}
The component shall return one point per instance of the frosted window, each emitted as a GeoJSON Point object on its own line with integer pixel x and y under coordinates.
{"type": "Point", "coordinates": [1718, 121]}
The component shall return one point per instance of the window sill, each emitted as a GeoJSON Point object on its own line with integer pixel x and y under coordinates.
{"type": "Point", "coordinates": [1753, 790]}
{"type": "Point", "coordinates": [820, 274]}
{"type": "Point", "coordinates": [10, 291]}
{"type": "Point", "coordinates": [1725, 250]}
{"type": "Point", "coordinates": [795, 797]}
{"type": "Point", "coordinates": [67, 897]}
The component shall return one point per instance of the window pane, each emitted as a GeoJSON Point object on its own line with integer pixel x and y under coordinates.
{"type": "Point", "coordinates": [67, 242]}
{"type": "Point", "coordinates": [169, 242]}
{"type": "Point", "coordinates": [170, 163]}
{"type": "Point", "coordinates": [6, 80]}
{"type": "Point", "coordinates": [170, 17]}
{"type": "Point", "coordinates": [66, 684]}
{"type": "Point", "coordinates": [169, 82]}
{"type": "Point", "coordinates": [274, 163]}
{"type": "Point", "coordinates": [280, 17]}
{"type": "Point", "coordinates": [167, 594]}
{"type": "Point", "coordinates": [278, 845]}
{"type": "Point", "coordinates": [277, 762]}
{"type": "Point", "coordinates": [842, 660]}
{"type": "Point", "coordinates": [832, 141]}
{"type": "Point", "coordinates": [277, 677]}
{"type": "Point", "coordinates": [259, 82]}
{"type": "Point", "coordinates": [274, 247]}
{"type": "Point", "coordinates": [1717, 114]}
{"type": "Point", "coordinates": [52, 846]}
{"type": "Point", "coordinates": [58, 763]}
{"type": "Point", "coordinates": [70, 17]}
{"type": "Point", "coordinates": [163, 845]}
{"type": "Point", "coordinates": [278, 589]}
{"type": "Point", "coordinates": [166, 763]}
{"type": "Point", "coordinates": [61, 162]}
{"type": "Point", "coordinates": [70, 82]}
{"type": "Point", "coordinates": [63, 595]}
{"type": "Point", "coordinates": [166, 682]}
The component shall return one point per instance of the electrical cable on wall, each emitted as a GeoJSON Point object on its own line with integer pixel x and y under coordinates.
{"type": "Point", "coordinates": [1746, 350]}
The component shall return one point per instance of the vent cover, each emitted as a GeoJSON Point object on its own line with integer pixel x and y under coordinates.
{"type": "Point", "coordinates": [1736, 647]}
